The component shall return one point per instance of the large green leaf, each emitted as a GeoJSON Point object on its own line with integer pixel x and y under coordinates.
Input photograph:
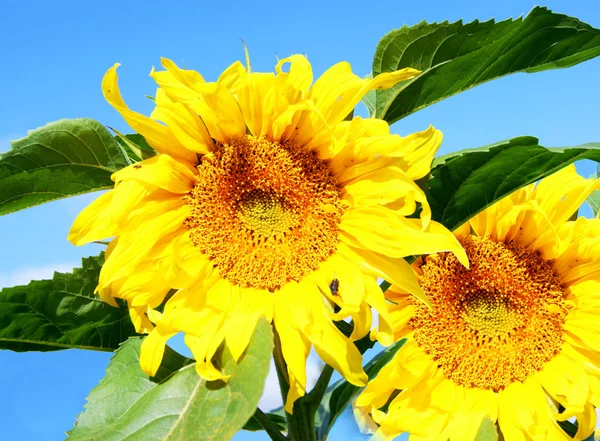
{"type": "Point", "coordinates": [340, 394]}
{"type": "Point", "coordinates": [127, 405]}
{"type": "Point", "coordinates": [62, 313]}
{"type": "Point", "coordinates": [465, 183]}
{"type": "Point", "coordinates": [454, 57]}
{"type": "Point", "coordinates": [64, 158]}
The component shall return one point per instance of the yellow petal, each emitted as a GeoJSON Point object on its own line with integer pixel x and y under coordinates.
{"type": "Point", "coordinates": [252, 94]}
{"type": "Point", "coordinates": [350, 289]}
{"type": "Point", "coordinates": [140, 322]}
{"type": "Point", "coordinates": [94, 222]}
{"type": "Point", "coordinates": [417, 151]}
{"type": "Point", "coordinates": [381, 229]}
{"type": "Point", "coordinates": [294, 84]}
{"type": "Point", "coordinates": [311, 130]}
{"type": "Point", "coordinates": [179, 84]}
{"type": "Point", "coordinates": [294, 345]}
{"type": "Point", "coordinates": [254, 303]}
{"type": "Point", "coordinates": [338, 90]}
{"type": "Point", "coordinates": [376, 299]}
{"type": "Point", "coordinates": [164, 218]}
{"type": "Point", "coordinates": [203, 349]}
{"type": "Point", "coordinates": [413, 154]}
{"type": "Point", "coordinates": [332, 346]}
{"type": "Point", "coordinates": [386, 186]}
{"type": "Point", "coordinates": [395, 270]}
{"type": "Point", "coordinates": [129, 197]}
{"type": "Point", "coordinates": [401, 311]}
{"type": "Point", "coordinates": [153, 349]}
{"type": "Point", "coordinates": [161, 171]}
{"type": "Point", "coordinates": [232, 77]}
{"type": "Point", "coordinates": [506, 211]}
{"type": "Point", "coordinates": [566, 382]}
{"type": "Point", "coordinates": [187, 263]}
{"type": "Point", "coordinates": [215, 104]}
{"type": "Point", "coordinates": [185, 124]}
{"type": "Point", "coordinates": [478, 404]}
{"type": "Point", "coordinates": [144, 286]}
{"type": "Point", "coordinates": [563, 192]}
{"type": "Point", "coordinates": [586, 423]}
{"type": "Point", "coordinates": [158, 136]}
{"type": "Point", "coordinates": [524, 414]}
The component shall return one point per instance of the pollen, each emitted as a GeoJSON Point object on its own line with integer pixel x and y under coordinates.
{"type": "Point", "coordinates": [493, 324]}
{"type": "Point", "coordinates": [265, 213]}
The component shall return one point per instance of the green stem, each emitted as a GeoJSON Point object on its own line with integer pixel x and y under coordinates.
{"type": "Point", "coordinates": [316, 394]}
{"type": "Point", "coordinates": [301, 425]}
{"type": "Point", "coordinates": [269, 427]}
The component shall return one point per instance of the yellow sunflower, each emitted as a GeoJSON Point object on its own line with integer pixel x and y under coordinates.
{"type": "Point", "coordinates": [263, 201]}
{"type": "Point", "coordinates": [513, 339]}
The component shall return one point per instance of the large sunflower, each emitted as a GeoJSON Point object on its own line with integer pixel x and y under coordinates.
{"type": "Point", "coordinates": [263, 201]}
{"type": "Point", "coordinates": [513, 339]}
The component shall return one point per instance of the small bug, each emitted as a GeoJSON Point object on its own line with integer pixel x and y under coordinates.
{"type": "Point", "coordinates": [334, 286]}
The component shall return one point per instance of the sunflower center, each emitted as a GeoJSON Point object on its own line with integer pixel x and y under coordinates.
{"type": "Point", "coordinates": [498, 322]}
{"type": "Point", "coordinates": [265, 213]}
{"type": "Point", "coordinates": [490, 314]}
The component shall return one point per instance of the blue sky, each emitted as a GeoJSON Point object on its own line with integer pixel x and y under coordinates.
{"type": "Point", "coordinates": [55, 54]}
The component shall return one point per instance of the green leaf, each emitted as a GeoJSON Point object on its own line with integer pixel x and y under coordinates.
{"type": "Point", "coordinates": [467, 182]}
{"type": "Point", "coordinates": [278, 420]}
{"type": "Point", "coordinates": [487, 431]}
{"type": "Point", "coordinates": [62, 159]}
{"type": "Point", "coordinates": [340, 394]}
{"type": "Point", "coordinates": [135, 145]}
{"type": "Point", "coordinates": [453, 57]}
{"type": "Point", "coordinates": [127, 405]}
{"type": "Point", "coordinates": [62, 313]}
{"type": "Point", "coordinates": [594, 199]}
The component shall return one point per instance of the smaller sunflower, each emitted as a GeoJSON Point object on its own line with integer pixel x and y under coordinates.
{"type": "Point", "coordinates": [512, 339]}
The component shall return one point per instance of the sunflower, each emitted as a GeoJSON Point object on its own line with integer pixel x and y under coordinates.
{"type": "Point", "coordinates": [513, 339]}
{"type": "Point", "coordinates": [263, 201]}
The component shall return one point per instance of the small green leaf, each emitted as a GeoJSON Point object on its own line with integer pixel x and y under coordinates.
{"type": "Point", "coordinates": [453, 57]}
{"type": "Point", "coordinates": [135, 146]}
{"type": "Point", "coordinates": [594, 202]}
{"type": "Point", "coordinates": [594, 199]}
{"type": "Point", "coordinates": [370, 102]}
{"type": "Point", "coordinates": [278, 420]}
{"type": "Point", "coordinates": [340, 394]}
{"type": "Point", "coordinates": [127, 405]}
{"type": "Point", "coordinates": [62, 313]}
{"type": "Point", "coordinates": [467, 182]}
{"type": "Point", "coordinates": [487, 431]}
{"type": "Point", "coordinates": [62, 159]}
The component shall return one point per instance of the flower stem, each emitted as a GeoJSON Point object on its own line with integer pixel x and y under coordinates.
{"type": "Point", "coordinates": [301, 425]}
{"type": "Point", "coordinates": [316, 394]}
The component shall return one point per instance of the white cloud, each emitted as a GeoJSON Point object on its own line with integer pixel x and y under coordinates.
{"type": "Point", "coordinates": [271, 398]}
{"type": "Point", "coordinates": [22, 276]}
